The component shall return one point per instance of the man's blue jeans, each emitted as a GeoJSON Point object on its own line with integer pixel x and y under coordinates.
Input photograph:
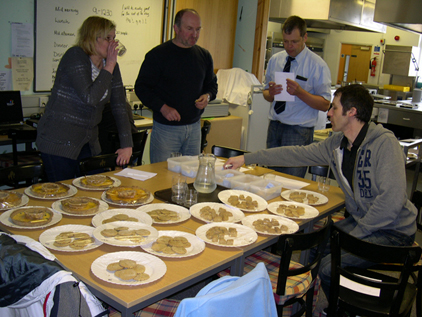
{"type": "Point", "coordinates": [384, 237]}
{"type": "Point", "coordinates": [166, 139]}
{"type": "Point", "coordinates": [280, 134]}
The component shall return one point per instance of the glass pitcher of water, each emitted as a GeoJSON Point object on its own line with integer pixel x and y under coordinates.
{"type": "Point", "coordinates": [205, 178]}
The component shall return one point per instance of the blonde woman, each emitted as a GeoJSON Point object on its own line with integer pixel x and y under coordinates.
{"type": "Point", "coordinates": [87, 77]}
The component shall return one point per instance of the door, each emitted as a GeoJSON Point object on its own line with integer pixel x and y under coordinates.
{"type": "Point", "coordinates": [354, 63]}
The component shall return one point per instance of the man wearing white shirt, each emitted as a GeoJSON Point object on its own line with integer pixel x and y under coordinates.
{"type": "Point", "coordinates": [292, 122]}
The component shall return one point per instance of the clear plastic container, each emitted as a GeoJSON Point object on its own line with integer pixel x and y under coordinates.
{"type": "Point", "coordinates": [266, 188]}
{"type": "Point", "coordinates": [174, 163]}
{"type": "Point", "coordinates": [241, 182]}
{"type": "Point", "coordinates": [189, 168]}
{"type": "Point", "coordinates": [222, 176]}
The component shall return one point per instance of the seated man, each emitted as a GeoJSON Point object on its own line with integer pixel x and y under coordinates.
{"type": "Point", "coordinates": [369, 165]}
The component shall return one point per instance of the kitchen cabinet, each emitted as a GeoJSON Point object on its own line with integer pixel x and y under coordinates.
{"type": "Point", "coordinates": [400, 60]}
{"type": "Point", "coordinates": [218, 32]}
{"type": "Point", "coordinates": [225, 131]}
{"type": "Point", "coordinates": [411, 118]}
{"type": "Point", "coordinates": [405, 118]}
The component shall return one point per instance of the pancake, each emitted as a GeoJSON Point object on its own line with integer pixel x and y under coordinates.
{"type": "Point", "coordinates": [49, 190]}
{"type": "Point", "coordinates": [9, 199]}
{"type": "Point", "coordinates": [31, 217]}
{"type": "Point", "coordinates": [127, 195]}
{"type": "Point", "coordinates": [97, 182]}
{"type": "Point", "coordinates": [80, 205]}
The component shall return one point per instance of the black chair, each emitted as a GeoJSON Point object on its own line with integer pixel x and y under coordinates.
{"type": "Point", "coordinates": [395, 295]}
{"type": "Point", "coordinates": [227, 152]}
{"type": "Point", "coordinates": [22, 175]}
{"type": "Point", "coordinates": [206, 127]}
{"type": "Point", "coordinates": [319, 170]}
{"type": "Point", "coordinates": [281, 269]}
{"type": "Point", "coordinates": [139, 140]}
{"type": "Point", "coordinates": [29, 156]}
{"type": "Point", "coordinates": [98, 164]}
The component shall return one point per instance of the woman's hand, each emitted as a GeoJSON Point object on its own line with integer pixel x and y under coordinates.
{"type": "Point", "coordinates": [234, 162]}
{"type": "Point", "coordinates": [111, 59]}
{"type": "Point", "coordinates": [123, 156]}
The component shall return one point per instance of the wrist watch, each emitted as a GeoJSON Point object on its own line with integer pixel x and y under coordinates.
{"type": "Point", "coordinates": [209, 97]}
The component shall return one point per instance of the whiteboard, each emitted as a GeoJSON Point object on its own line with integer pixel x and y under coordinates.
{"type": "Point", "coordinates": [139, 25]}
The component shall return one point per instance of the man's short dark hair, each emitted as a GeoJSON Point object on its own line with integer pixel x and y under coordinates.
{"type": "Point", "coordinates": [359, 97]}
{"type": "Point", "coordinates": [179, 15]}
{"type": "Point", "coordinates": [294, 22]}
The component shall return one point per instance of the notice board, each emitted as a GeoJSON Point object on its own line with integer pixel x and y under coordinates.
{"type": "Point", "coordinates": [139, 25]}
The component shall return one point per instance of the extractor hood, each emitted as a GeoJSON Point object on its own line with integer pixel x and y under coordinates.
{"type": "Point", "coordinates": [403, 14]}
{"type": "Point", "coordinates": [350, 15]}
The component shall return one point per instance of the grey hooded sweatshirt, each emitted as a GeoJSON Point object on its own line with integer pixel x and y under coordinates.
{"type": "Point", "coordinates": [378, 199]}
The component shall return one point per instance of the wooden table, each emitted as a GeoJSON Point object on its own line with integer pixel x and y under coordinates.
{"type": "Point", "coordinates": [181, 273]}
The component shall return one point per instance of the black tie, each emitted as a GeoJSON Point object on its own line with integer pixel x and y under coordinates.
{"type": "Point", "coordinates": [281, 105]}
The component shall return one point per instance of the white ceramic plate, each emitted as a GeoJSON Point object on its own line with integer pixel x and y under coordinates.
{"type": "Point", "coordinates": [125, 243]}
{"type": "Point", "coordinates": [225, 194]}
{"type": "Point", "coordinates": [195, 210]}
{"type": "Point", "coordinates": [23, 202]}
{"type": "Point", "coordinates": [182, 211]}
{"type": "Point", "coordinates": [77, 183]}
{"type": "Point", "coordinates": [154, 267]}
{"type": "Point", "coordinates": [245, 235]}
{"type": "Point", "coordinates": [72, 191]}
{"type": "Point", "coordinates": [48, 237]}
{"type": "Point", "coordinates": [142, 217]}
{"type": "Point", "coordinates": [310, 212]}
{"type": "Point", "coordinates": [57, 206]}
{"type": "Point", "coordinates": [292, 226]}
{"type": "Point", "coordinates": [197, 245]}
{"type": "Point", "coordinates": [321, 201]}
{"type": "Point", "coordinates": [5, 219]}
{"type": "Point", "coordinates": [104, 197]}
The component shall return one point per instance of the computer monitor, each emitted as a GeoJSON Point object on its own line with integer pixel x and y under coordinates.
{"type": "Point", "coordinates": [10, 107]}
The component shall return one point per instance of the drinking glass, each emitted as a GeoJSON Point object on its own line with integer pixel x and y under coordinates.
{"type": "Point", "coordinates": [178, 189]}
{"type": "Point", "coordinates": [191, 197]}
{"type": "Point", "coordinates": [323, 183]}
{"type": "Point", "coordinates": [121, 49]}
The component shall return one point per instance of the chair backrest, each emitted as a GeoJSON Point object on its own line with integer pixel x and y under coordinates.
{"type": "Point", "coordinates": [206, 127]}
{"type": "Point", "coordinates": [320, 170]}
{"type": "Point", "coordinates": [391, 290]}
{"type": "Point", "coordinates": [13, 176]}
{"type": "Point", "coordinates": [248, 296]}
{"type": "Point", "coordinates": [289, 243]}
{"type": "Point", "coordinates": [417, 201]}
{"type": "Point", "coordinates": [227, 152]}
{"type": "Point", "coordinates": [139, 141]}
{"type": "Point", "coordinates": [98, 164]}
{"type": "Point", "coordinates": [19, 136]}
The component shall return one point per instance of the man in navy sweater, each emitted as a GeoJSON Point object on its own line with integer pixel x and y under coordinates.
{"type": "Point", "coordinates": [176, 81]}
